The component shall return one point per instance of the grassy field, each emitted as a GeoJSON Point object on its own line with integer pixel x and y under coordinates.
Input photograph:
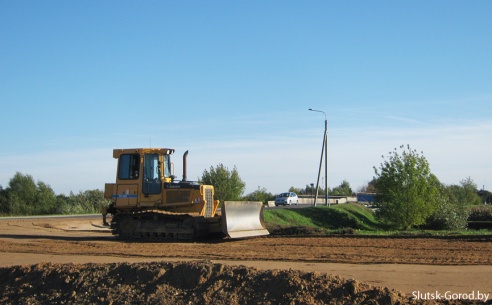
{"type": "Point", "coordinates": [340, 219]}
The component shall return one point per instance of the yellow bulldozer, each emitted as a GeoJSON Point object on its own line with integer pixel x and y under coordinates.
{"type": "Point", "coordinates": [148, 202]}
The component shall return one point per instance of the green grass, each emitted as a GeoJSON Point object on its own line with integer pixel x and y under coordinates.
{"type": "Point", "coordinates": [323, 218]}
{"type": "Point", "coordinates": [343, 219]}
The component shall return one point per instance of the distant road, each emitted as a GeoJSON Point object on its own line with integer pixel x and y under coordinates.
{"type": "Point", "coordinates": [294, 206]}
{"type": "Point", "coordinates": [52, 216]}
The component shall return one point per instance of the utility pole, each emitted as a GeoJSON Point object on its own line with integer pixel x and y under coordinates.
{"type": "Point", "coordinates": [324, 149]}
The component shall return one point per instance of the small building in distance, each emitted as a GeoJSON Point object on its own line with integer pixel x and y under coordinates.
{"type": "Point", "coordinates": [366, 198]}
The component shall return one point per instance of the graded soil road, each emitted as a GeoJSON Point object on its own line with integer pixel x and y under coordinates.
{"type": "Point", "coordinates": [410, 265]}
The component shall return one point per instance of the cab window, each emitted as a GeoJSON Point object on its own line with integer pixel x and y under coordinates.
{"type": "Point", "coordinates": [152, 175]}
{"type": "Point", "coordinates": [167, 166]}
{"type": "Point", "coordinates": [129, 166]}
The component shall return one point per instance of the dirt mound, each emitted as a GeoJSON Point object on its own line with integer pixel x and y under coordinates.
{"type": "Point", "coordinates": [199, 282]}
{"type": "Point", "coordinates": [180, 283]}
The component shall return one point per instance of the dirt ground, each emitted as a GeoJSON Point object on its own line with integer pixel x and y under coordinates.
{"type": "Point", "coordinates": [421, 268]}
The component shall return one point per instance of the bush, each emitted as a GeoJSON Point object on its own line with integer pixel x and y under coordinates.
{"type": "Point", "coordinates": [86, 202]}
{"type": "Point", "coordinates": [480, 213]}
{"type": "Point", "coordinates": [448, 217]}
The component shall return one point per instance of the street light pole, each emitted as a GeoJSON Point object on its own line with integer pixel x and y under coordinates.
{"type": "Point", "coordinates": [324, 149]}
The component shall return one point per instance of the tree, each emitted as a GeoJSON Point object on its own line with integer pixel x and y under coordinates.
{"type": "Point", "coordinates": [296, 190]}
{"type": "Point", "coordinates": [343, 189]}
{"type": "Point", "coordinates": [309, 190]}
{"type": "Point", "coordinates": [408, 193]}
{"type": "Point", "coordinates": [470, 195]}
{"type": "Point", "coordinates": [24, 196]}
{"type": "Point", "coordinates": [368, 188]}
{"type": "Point", "coordinates": [466, 192]}
{"type": "Point", "coordinates": [45, 199]}
{"type": "Point", "coordinates": [4, 203]}
{"type": "Point", "coordinates": [228, 185]}
{"type": "Point", "coordinates": [260, 194]}
{"type": "Point", "coordinates": [21, 194]}
{"type": "Point", "coordinates": [485, 196]}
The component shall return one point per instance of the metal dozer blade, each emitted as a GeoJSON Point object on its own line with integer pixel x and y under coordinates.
{"type": "Point", "coordinates": [243, 219]}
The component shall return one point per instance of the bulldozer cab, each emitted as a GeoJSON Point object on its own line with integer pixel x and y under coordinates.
{"type": "Point", "coordinates": [145, 181]}
{"type": "Point", "coordinates": [140, 175]}
{"type": "Point", "coordinates": [156, 167]}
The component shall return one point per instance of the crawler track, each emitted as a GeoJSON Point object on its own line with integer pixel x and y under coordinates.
{"type": "Point", "coordinates": [155, 226]}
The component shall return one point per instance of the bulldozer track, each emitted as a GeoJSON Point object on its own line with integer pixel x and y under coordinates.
{"type": "Point", "coordinates": [160, 226]}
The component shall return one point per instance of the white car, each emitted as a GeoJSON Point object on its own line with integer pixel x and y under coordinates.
{"type": "Point", "coordinates": [286, 199]}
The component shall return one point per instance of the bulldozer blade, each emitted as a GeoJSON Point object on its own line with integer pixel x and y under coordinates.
{"type": "Point", "coordinates": [243, 219]}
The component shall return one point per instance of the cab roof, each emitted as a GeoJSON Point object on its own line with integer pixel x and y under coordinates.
{"type": "Point", "coordinates": [161, 151]}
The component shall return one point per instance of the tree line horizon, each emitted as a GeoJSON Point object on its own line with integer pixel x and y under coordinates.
{"type": "Point", "coordinates": [408, 194]}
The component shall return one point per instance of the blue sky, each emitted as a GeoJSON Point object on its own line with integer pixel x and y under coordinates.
{"type": "Point", "coordinates": [232, 82]}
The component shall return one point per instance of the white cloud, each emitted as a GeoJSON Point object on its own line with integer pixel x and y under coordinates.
{"type": "Point", "coordinates": [278, 162]}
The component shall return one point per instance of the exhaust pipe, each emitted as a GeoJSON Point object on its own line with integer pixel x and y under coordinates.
{"type": "Point", "coordinates": [185, 155]}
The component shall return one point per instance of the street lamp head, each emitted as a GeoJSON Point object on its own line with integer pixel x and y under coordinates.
{"type": "Point", "coordinates": [310, 109]}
